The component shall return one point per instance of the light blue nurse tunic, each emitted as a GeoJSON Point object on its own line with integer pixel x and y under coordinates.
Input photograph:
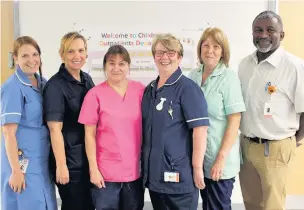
{"type": "Point", "coordinates": [21, 103]}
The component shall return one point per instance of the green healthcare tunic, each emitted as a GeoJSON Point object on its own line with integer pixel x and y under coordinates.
{"type": "Point", "coordinates": [223, 94]}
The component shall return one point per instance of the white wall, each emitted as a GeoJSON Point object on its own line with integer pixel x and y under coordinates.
{"type": "Point", "coordinates": [48, 21]}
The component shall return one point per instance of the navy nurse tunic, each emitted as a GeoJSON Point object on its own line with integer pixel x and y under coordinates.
{"type": "Point", "coordinates": [167, 138]}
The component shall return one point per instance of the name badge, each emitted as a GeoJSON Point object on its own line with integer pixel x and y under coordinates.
{"type": "Point", "coordinates": [267, 110]}
{"type": "Point", "coordinates": [23, 165]}
{"type": "Point", "coordinates": [171, 177]}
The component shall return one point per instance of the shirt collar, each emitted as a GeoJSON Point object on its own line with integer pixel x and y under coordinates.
{"type": "Point", "coordinates": [25, 80]}
{"type": "Point", "coordinates": [22, 77]}
{"type": "Point", "coordinates": [172, 79]}
{"type": "Point", "coordinates": [219, 69]}
{"type": "Point", "coordinates": [274, 59]}
{"type": "Point", "coordinates": [66, 75]}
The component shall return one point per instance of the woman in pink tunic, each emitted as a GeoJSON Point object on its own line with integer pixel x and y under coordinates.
{"type": "Point", "coordinates": [111, 113]}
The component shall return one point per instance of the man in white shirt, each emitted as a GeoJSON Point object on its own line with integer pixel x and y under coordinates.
{"type": "Point", "coordinates": [273, 89]}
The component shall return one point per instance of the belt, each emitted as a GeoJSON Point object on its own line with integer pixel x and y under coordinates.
{"type": "Point", "coordinates": [258, 140]}
{"type": "Point", "coordinates": [261, 141]}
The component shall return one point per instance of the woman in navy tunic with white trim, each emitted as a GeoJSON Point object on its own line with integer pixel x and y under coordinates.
{"type": "Point", "coordinates": [25, 180]}
{"type": "Point", "coordinates": [174, 131]}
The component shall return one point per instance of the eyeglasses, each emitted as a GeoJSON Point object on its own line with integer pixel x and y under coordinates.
{"type": "Point", "coordinates": [169, 53]}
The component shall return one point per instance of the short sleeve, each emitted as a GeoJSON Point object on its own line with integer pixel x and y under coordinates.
{"type": "Point", "coordinates": [12, 102]}
{"type": "Point", "coordinates": [89, 114]}
{"type": "Point", "coordinates": [299, 89]}
{"type": "Point", "coordinates": [194, 106]}
{"type": "Point", "coordinates": [232, 94]}
{"type": "Point", "coordinates": [53, 102]}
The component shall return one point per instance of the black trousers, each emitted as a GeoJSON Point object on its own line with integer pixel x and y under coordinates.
{"type": "Point", "coordinates": [217, 195]}
{"type": "Point", "coordinates": [76, 196]}
{"type": "Point", "coordinates": [119, 196]}
{"type": "Point", "coordinates": [161, 201]}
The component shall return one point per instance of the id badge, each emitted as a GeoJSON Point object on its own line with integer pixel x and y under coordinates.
{"type": "Point", "coordinates": [267, 110]}
{"type": "Point", "coordinates": [171, 177]}
{"type": "Point", "coordinates": [23, 165]}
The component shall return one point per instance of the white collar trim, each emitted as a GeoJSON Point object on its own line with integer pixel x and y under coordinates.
{"type": "Point", "coordinates": [152, 84]}
{"type": "Point", "coordinates": [27, 84]}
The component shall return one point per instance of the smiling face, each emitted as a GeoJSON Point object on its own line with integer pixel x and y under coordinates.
{"type": "Point", "coordinates": [167, 61]}
{"type": "Point", "coordinates": [75, 55]}
{"type": "Point", "coordinates": [267, 34]}
{"type": "Point", "coordinates": [28, 59]}
{"type": "Point", "coordinates": [211, 53]}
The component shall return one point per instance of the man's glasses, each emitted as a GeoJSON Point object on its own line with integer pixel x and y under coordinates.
{"type": "Point", "coordinates": [160, 53]}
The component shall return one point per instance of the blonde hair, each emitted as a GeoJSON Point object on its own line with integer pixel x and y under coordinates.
{"type": "Point", "coordinates": [168, 41]}
{"type": "Point", "coordinates": [67, 39]}
{"type": "Point", "coordinates": [218, 36]}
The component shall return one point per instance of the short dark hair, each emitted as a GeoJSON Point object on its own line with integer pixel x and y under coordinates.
{"type": "Point", "coordinates": [117, 50]}
{"type": "Point", "coordinates": [268, 14]}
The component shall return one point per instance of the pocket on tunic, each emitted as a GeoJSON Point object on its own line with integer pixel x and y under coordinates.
{"type": "Point", "coordinates": [215, 104]}
{"type": "Point", "coordinates": [33, 113]}
{"type": "Point", "coordinates": [180, 165]}
{"type": "Point", "coordinates": [177, 112]}
{"type": "Point", "coordinates": [110, 165]}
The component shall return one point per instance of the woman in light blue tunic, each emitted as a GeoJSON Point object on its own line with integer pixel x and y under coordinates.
{"type": "Point", "coordinates": [25, 179]}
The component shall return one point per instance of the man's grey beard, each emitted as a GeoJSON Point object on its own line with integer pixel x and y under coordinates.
{"type": "Point", "coordinates": [264, 50]}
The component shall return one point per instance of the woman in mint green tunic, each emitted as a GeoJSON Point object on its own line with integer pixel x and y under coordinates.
{"type": "Point", "coordinates": [223, 94]}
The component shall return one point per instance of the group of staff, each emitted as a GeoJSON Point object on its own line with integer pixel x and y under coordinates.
{"type": "Point", "coordinates": [178, 136]}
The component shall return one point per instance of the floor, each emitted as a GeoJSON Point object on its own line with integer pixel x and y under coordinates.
{"type": "Point", "coordinates": [294, 202]}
